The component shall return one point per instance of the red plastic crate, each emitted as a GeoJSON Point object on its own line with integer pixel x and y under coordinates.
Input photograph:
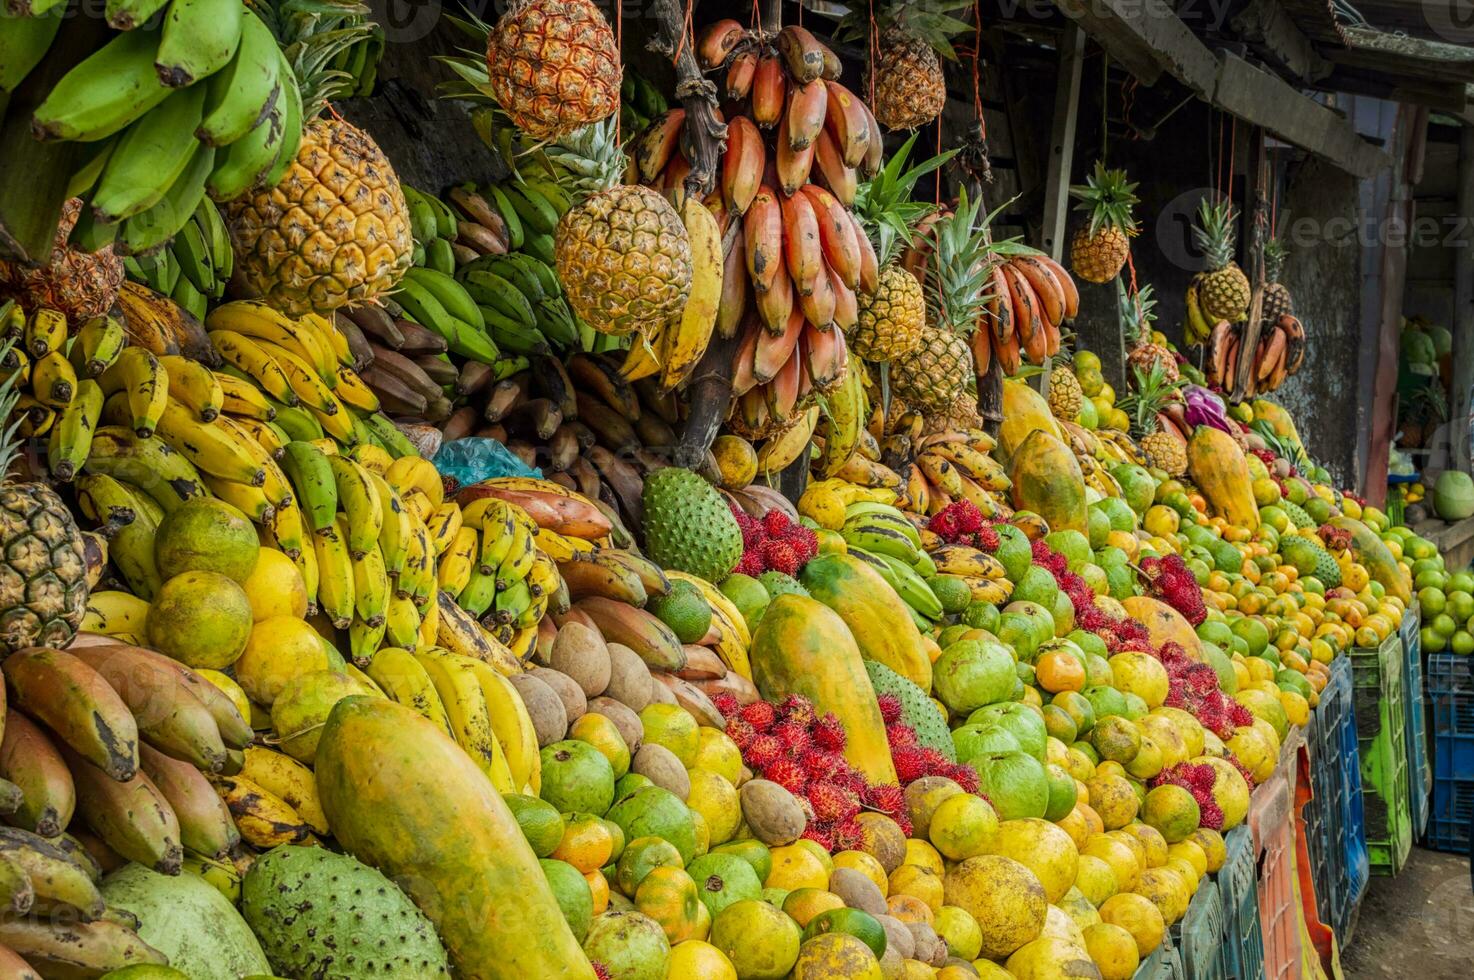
{"type": "Point", "coordinates": [1270, 821]}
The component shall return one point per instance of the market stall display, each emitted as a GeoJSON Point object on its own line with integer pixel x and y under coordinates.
{"type": "Point", "coordinates": [282, 697]}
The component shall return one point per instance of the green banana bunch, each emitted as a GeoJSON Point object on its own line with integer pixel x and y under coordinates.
{"type": "Point", "coordinates": [193, 268]}
{"type": "Point", "coordinates": [923, 603]}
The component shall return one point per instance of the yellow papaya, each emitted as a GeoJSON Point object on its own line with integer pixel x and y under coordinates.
{"type": "Point", "coordinates": [1024, 411]}
{"type": "Point", "coordinates": [1279, 419]}
{"type": "Point", "coordinates": [1047, 480]}
{"type": "Point", "coordinates": [1163, 623]}
{"type": "Point", "coordinates": [804, 647]}
{"type": "Point", "coordinates": [1217, 465]}
{"type": "Point", "coordinates": [403, 797]}
{"type": "Point", "coordinates": [883, 629]}
{"type": "Point", "coordinates": [1372, 553]}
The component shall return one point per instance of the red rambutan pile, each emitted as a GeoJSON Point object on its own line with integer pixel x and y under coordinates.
{"type": "Point", "coordinates": [832, 802]}
{"type": "Point", "coordinates": [774, 542]}
{"type": "Point", "coordinates": [1198, 779]}
{"type": "Point", "coordinates": [760, 715]}
{"type": "Point", "coordinates": [887, 798]}
{"type": "Point", "coordinates": [960, 522]}
{"type": "Point", "coordinates": [1170, 580]}
{"type": "Point", "coordinates": [726, 703]}
{"type": "Point", "coordinates": [829, 733]}
{"type": "Point", "coordinates": [890, 708]}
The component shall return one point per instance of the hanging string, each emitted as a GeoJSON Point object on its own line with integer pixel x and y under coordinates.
{"type": "Point", "coordinates": [1233, 152]}
{"type": "Point", "coordinates": [1218, 180]}
{"type": "Point", "coordinates": [977, 49]}
{"type": "Point", "coordinates": [757, 17]}
{"type": "Point", "coordinates": [619, 46]}
{"type": "Point", "coordinates": [685, 30]}
{"type": "Point", "coordinates": [938, 172]}
{"type": "Point", "coordinates": [1105, 96]}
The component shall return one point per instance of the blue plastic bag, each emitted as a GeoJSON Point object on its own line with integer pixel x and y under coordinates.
{"type": "Point", "coordinates": [471, 460]}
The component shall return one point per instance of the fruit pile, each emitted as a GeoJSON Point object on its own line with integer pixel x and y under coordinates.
{"type": "Point", "coordinates": [281, 698]}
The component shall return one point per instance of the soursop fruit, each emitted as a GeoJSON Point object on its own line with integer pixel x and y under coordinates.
{"type": "Point", "coordinates": [294, 897]}
{"type": "Point", "coordinates": [1296, 513]}
{"type": "Point", "coordinates": [780, 583]}
{"type": "Point", "coordinates": [688, 526]}
{"type": "Point", "coordinates": [917, 710]}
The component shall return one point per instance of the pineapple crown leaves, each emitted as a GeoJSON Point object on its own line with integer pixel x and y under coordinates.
{"type": "Point", "coordinates": [957, 277]}
{"type": "Point", "coordinates": [1108, 198]}
{"type": "Point", "coordinates": [314, 35]}
{"type": "Point", "coordinates": [928, 21]}
{"type": "Point", "coordinates": [884, 201]}
{"type": "Point", "coordinates": [1275, 254]}
{"type": "Point", "coordinates": [9, 396]}
{"type": "Point", "coordinates": [1138, 312]}
{"type": "Point", "coordinates": [1214, 232]}
{"type": "Point", "coordinates": [1153, 389]}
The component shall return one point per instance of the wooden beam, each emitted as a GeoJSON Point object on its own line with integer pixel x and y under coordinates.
{"type": "Point", "coordinates": [1062, 140]}
{"type": "Point", "coordinates": [1266, 100]}
{"type": "Point", "coordinates": [1264, 24]}
{"type": "Point", "coordinates": [1147, 38]}
{"type": "Point", "coordinates": [1463, 320]}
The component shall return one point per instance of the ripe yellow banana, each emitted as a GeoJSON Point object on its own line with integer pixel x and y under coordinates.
{"type": "Point", "coordinates": [139, 374]}
{"type": "Point", "coordinates": [456, 562]}
{"type": "Point", "coordinates": [194, 384]}
{"type": "Point", "coordinates": [405, 680]}
{"type": "Point", "coordinates": [459, 688]}
{"type": "Point", "coordinates": [335, 574]}
{"type": "Point", "coordinates": [289, 780]}
{"type": "Point", "coordinates": [416, 473]}
{"type": "Point", "coordinates": [264, 819]}
{"type": "Point", "coordinates": [111, 612]}
{"type": "Point", "coordinates": [687, 338]}
{"type": "Point", "coordinates": [512, 726]}
{"type": "Point", "coordinates": [397, 529]}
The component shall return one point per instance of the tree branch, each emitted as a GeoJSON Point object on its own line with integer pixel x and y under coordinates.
{"type": "Point", "coordinates": [704, 138]}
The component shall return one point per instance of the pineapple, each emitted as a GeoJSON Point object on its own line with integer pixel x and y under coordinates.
{"type": "Point", "coordinates": [1223, 289]}
{"type": "Point", "coordinates": [1277, 299]}
{"type": "Point", "coordinates": [891, 319]}
{"type": "Point", "coordinates": [622, 252]}
{"type": "Point", "coordinates": [932, 376]}
{"type": "Point", "coordinates": [43, 577]}
{"type": "Point", "coordinates": [80, 284]}
{"type": "Point", "coordinates": [961, 414]}
{"type": "Point", "coordinates": [1099, 247]}
{"type": "Point", "coordinates": [553, 65]}
{"type": "Point", "coordinates": [910, 89]}
{"type": "Point", "coordinates": [1137, 317]}
{"type": "Point", "coordinates": [1154, 389]}
{"type": "Point", "coordinates": [1065, 393]}
{"type": "Point", "coordinates": [335, 230]}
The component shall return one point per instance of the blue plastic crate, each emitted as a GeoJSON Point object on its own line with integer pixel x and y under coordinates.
{"type": "Point", "coordinates": [1199, 934]}
{"type": "Point", "coordinates": [1327, 815]}
{"type": "Point", "coordinates": [1242, 949]}
{"type": "Point", "coordinates": [1450, 694]}
{"type": "Point", "coordinates": [1163, 964]}
{"type": "Point", "coordinates": [1419, 769]}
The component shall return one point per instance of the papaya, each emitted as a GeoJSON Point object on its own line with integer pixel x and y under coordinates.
{"type": "Point", "coordinates": [804, 647]}
{"type": "Point", "coordinates": [404, 798]}
{"type": "Point", "coordinates": [1217, 466]}
{"type": "Point", "coordinates": [882, 626]}
{"type": "Point", "coordinates": [1279, 420]}
{"type": "Point", "coordinates": [1164, 623]}
{"type": "Point", "coordinates": [1024, 411]}
{"type": "Point", "coordinates": [1047, 480]}
{"type": "Point", "coordinates": [1373, 554]}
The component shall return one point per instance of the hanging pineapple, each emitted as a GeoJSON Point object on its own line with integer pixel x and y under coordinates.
{"type": "Point", "coordinates": [80, 284]}
{"type": "Point", "coordinates": [43, 576]}
{"type": "Point", "coordinates": [1222, 288]}
{"type": "Point", "coordinates": [622, 252]}
{"type": "Point", "coordinates": [335, 230]}
{"type": "Point", "coordinates": [891, 316]}
{"type": "Point", "coordinates": [1149, 348]}
{"type": "Point", "coordinates": [1100, 246]}
{"type": "Point", "coordinates": [931, 376]}
{"type": "Point", "coordinates": [906, 71]}
{"type": "Point", "coordinates": [1277, 299]}
{"type": "Point", "coordinates": [554, 66]}
{"type": "Point", "coordinates": [1065, 393]}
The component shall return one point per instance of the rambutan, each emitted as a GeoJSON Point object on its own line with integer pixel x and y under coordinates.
{"type": "Point", "coordinates": [776, 523]}
{"type": "Point", "coordinates": [763, 751]}
{"type": "Point", "coordinates": [600, 970]}
{"type": "Point", "coordinates": [760, 715]}
{"type": "Point", "coordinates": [829, 733]}
{"type": "Point", "coordinates": [849, 836]}
{"type": "Point", "coordinates": [789, 775]}
{"type": "Point", "coordinates": [986, 539]}
{"type": "Point", "coordinates": [1239, 715]}
{"type": "Point", "coordinates": [888, 798]}
{"type": "Point", "coordinates": [797, 708]}
{"type": "Point", "coordinates": [805, 543]}
{"type": "Point", "coordinates": [751, 563]}
{"type": "Point", "coordinates": [819, 764]}
{"type": "Point", "coordinates": [819, 835]}
{"type": "Point", "coordinates": [910, 763]}
{"type": "Point", "coordinates": [890, 708]}
{"type": "Point", "coordinates": [936, 763]}
{"type": "Point", "coordinates": [726, 703]}
{"type": "Point", "coordinates": [963, 775]}
{"type": "Point", "coordinates": [793, 735]}
{"type": "Point", "coordinates": [1210, 814]}
{"type": "Point", "coordinates": [779, 556]}
{"type": "Point", "coordinates": [740, 732]}
{"type": "Point", "coordinates": [899, 735]}
{"type": "Point", "coordinates": [831, 802]}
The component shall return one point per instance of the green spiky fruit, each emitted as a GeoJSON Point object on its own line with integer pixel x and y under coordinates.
{"type": "Point", "coordinates": [1297, 514]}
{"type": "Point", "coordinates": [688, 526]}
{"type": "Point", "coordinates": [780, 583]}
{"type": "Point", "coordinates": [917, 710]}
{"type": "Point", "coordinates": [294, 896]}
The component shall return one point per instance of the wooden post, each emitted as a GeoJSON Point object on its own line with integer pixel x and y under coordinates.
{"type": "Point", "coordinates": [1256, 214]}
{"type": "Point", "coordinates": [1062, 140]}
{"type": "Point", "coordinates": [704, 137]}
{"type": "Point", "coordinates": [1463, 319]}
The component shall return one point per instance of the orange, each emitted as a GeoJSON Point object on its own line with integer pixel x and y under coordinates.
{"type": "Point", "coordinates": [586, 844]}
{"type": "Point", "coordinates": [1058, 670]}
{"type": "Point", "coordinates": [599, 888]}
